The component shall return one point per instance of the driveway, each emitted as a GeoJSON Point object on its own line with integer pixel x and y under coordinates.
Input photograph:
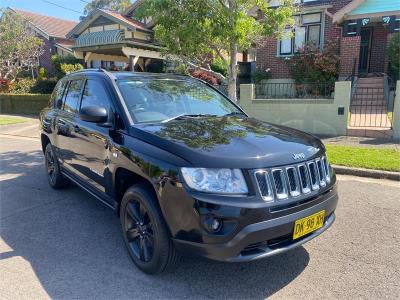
{"type": "Point", "coordinates": [65, 244]}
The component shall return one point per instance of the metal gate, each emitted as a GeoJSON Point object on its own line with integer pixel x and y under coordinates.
{"type": "Point", "coordinates": [372, 104]}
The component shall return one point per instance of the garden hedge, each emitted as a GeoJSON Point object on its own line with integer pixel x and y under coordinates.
{"type": "Point", "coordinates": [25, 104]}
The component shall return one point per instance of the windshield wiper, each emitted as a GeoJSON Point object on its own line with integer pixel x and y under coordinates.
{"type": "Point", "coordinates": [185, 116]}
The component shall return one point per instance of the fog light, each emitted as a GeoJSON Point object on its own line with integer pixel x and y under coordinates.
{"type": "Point", "coordinates": [212, 224]}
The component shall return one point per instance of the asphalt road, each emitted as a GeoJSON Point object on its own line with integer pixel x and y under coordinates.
{"type": "Point", "coordinates": [65, 244]}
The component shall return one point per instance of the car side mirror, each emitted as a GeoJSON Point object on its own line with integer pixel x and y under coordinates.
{"type": "Point", "coordinates": [94, 114]}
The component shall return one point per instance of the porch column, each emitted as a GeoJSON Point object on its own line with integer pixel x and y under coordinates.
{"type": "Point", "coordinates": [132, 62]}
{"type": "Point", "coordinates": [349, 55]}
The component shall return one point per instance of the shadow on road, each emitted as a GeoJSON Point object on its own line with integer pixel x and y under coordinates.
{"type": "Point", "coordinates": [74, 246]}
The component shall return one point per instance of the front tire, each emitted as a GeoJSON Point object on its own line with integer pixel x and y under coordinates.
{"type": "Point", "coordinates": [145, 232]}
{"type": "Point", "coordinates": [54, 176]}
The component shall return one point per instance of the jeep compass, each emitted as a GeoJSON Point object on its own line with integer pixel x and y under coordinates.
{"type": "Point", "coordinates": [185, 168]}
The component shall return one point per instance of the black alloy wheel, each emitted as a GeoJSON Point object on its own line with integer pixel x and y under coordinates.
{"type": "Point", "coordinates": [139, 231]}
{"type": "Point", "coordinates": [56, 179]}
{"type": "Point", "coordinates": [50, 167]}
{"type": "Point", "coordinates": [145, 232]}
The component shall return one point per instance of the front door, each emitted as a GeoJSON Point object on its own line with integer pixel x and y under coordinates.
{"type": "Point", "coordinates": [91, 140]}
{"type": "Point", "coordinates": [365, 50]}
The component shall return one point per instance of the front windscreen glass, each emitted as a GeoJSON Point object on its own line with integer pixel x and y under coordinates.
{"type": "Point", "coordinates": [161, 100]}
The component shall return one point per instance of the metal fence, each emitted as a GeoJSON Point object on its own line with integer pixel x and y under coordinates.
{"type": "Point", "coordinates": [285, 90]}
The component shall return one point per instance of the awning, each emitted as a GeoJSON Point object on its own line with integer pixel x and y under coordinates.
{"type": "Point", "coordinates": [100, 38]}
{"type": "Point", "coordinates": [376, 6]}
{"type": "Point", "coordinates": [360, 9]}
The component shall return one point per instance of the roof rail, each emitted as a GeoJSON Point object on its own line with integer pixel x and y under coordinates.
{"type": "Point", "coordinates": [110, 75]}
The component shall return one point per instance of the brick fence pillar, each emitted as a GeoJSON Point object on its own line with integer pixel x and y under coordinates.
{"type": "Point", "coordinates": [349, 52]}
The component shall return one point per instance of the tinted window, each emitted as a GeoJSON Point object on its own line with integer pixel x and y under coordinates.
{"type": "Point", "coordinates": [94, 94]}
{"type": "Point", "coordinates": [58, 92]}
{"type": "Point", "coordinates": [73, 95]}
{"type": "Point", "coordinates": [157, 100]}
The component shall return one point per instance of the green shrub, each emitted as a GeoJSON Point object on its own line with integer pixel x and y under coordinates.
{"type": "Point", "coordinates": [314, 65]}
{"type": "Point", "coordinates": [43, 86]}
{"type": "Point", "coordinates": [57, 61]}
{"type": "Point", "coordinates": [22, 86]}
{"type": "Point", "coordinates": [259, 75]}
{"type": "Point", "coordinates": [26, 86]}
{"type": "Point", "coordinates": [69, 68]}
{"type": "Point", "coordinates": [42, 72]}
{"type": "Point", "coordinates": [27, 104]}
{"type": "Point", "coordinates": [394, 56]}
{"type": "Point", "coordinates": [219, 66]}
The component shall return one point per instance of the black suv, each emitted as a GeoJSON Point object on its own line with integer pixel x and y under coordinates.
{"type": "Point", "coordinates": [185, 168]}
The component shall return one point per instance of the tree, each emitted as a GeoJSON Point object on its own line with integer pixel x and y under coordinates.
{"type": "Point", "coordinates": [191, 30]}
{"type": "Point", "coordinates": [19, 47]}
{"type": "Point", "coordinates": [116, 5]}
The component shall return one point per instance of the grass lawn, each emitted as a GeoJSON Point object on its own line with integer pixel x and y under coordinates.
{"type": "Point", "coordinates": [10, 120]}
{"type": "Point", "coordinates": [362, 157]}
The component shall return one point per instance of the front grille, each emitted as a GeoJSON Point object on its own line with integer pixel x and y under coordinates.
{"type": "Point", "coordinates": [293, 181]}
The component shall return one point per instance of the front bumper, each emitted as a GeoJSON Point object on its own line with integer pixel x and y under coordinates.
{"type": "Point", "coordinates": [265, 238]}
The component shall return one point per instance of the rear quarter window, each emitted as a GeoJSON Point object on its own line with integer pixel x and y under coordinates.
{"type": "Point", "coordinates": [73, 95]}
{"type": "Point", "coordinates": [57, 93]}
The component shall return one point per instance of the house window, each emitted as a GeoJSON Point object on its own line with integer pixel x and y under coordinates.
{"type": "Point", "coordinates": [307, 30]}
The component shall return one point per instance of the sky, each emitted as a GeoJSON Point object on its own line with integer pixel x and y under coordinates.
{"type": "Point", "coordinates": [66, 9]}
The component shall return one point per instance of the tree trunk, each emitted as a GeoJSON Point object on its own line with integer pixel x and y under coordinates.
{"type": "Point", "coordinates": [232, 73]}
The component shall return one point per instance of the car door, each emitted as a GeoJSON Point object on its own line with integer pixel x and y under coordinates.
{"type": "Point", "coordinates": [91, 158]}
{"type": "Point", "coordinates": [65, 122]}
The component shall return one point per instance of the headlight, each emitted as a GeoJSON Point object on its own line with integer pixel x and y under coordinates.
{"type": "Point", "coordinates": [229, 181]}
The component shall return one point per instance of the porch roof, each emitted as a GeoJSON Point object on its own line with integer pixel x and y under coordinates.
{"type": "Point", "coordinates": [375, 6]}
{"type": "Point", "coordinates": [358, 9]}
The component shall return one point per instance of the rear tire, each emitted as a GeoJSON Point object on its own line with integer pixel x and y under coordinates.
{"type": "Point", "coordinates": [145, 233]}
{"type": "Point", "coordinates": [54, 176]}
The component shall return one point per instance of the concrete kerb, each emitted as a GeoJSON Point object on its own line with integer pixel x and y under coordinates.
{"type": "Point", "coordinates": [360, 172]}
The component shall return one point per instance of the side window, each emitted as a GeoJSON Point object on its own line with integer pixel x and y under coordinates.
{"type": "Point", "coordinates": [94, 94]}
{"type": "Point", "coordinates": [58, 93]}
{"type": "Point", "coordinates": [73, 95]}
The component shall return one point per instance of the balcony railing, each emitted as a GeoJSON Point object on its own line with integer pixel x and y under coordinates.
{"type": "Point", "coordinates": [284, 90]}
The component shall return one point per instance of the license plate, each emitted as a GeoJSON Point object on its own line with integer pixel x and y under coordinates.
{"type": "Point", "coordinates": [308, 224]}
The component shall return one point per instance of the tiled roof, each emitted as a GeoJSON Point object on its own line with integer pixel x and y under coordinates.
{"type": "Point", "coordinates": [53, 27]}
{"type": "Point", "coordinates": [130, 21]}
{"type": "Point", "coordinates": [67, 44]}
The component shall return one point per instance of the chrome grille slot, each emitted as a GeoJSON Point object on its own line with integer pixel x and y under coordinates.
{"type": "Point", "coordinates": [321, 172]}
{"type": "Point", "coordinates": [293, 181]}
{"type": "Point", "coordinates": [326, 168]}
{"type": "Point", "coordinates": [264, 185]}
{"type": "Point", "coordinates": [313, 175]}
{"type": "Point", "coordinates": [304, 178]}
{"type": "Point", "coordinates": [279, 183]}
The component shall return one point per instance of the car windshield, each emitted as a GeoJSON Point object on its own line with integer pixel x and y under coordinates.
{"type": "Point", "coordinates": [163, 100]}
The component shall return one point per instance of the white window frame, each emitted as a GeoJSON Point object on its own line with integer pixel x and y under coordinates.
{"type": "Point", "coordinates": [321, 35]}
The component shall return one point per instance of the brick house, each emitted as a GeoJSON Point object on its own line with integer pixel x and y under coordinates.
{"type": "Point", "coordinates": [360, 28]}
{"type": "Point", "coordinates": [53, 32]}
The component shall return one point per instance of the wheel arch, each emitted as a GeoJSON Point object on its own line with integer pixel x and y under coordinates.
{"type": "Point", "coordinates": [44, 140]}
{"type": "Point", "coordinates": [125, 178]}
